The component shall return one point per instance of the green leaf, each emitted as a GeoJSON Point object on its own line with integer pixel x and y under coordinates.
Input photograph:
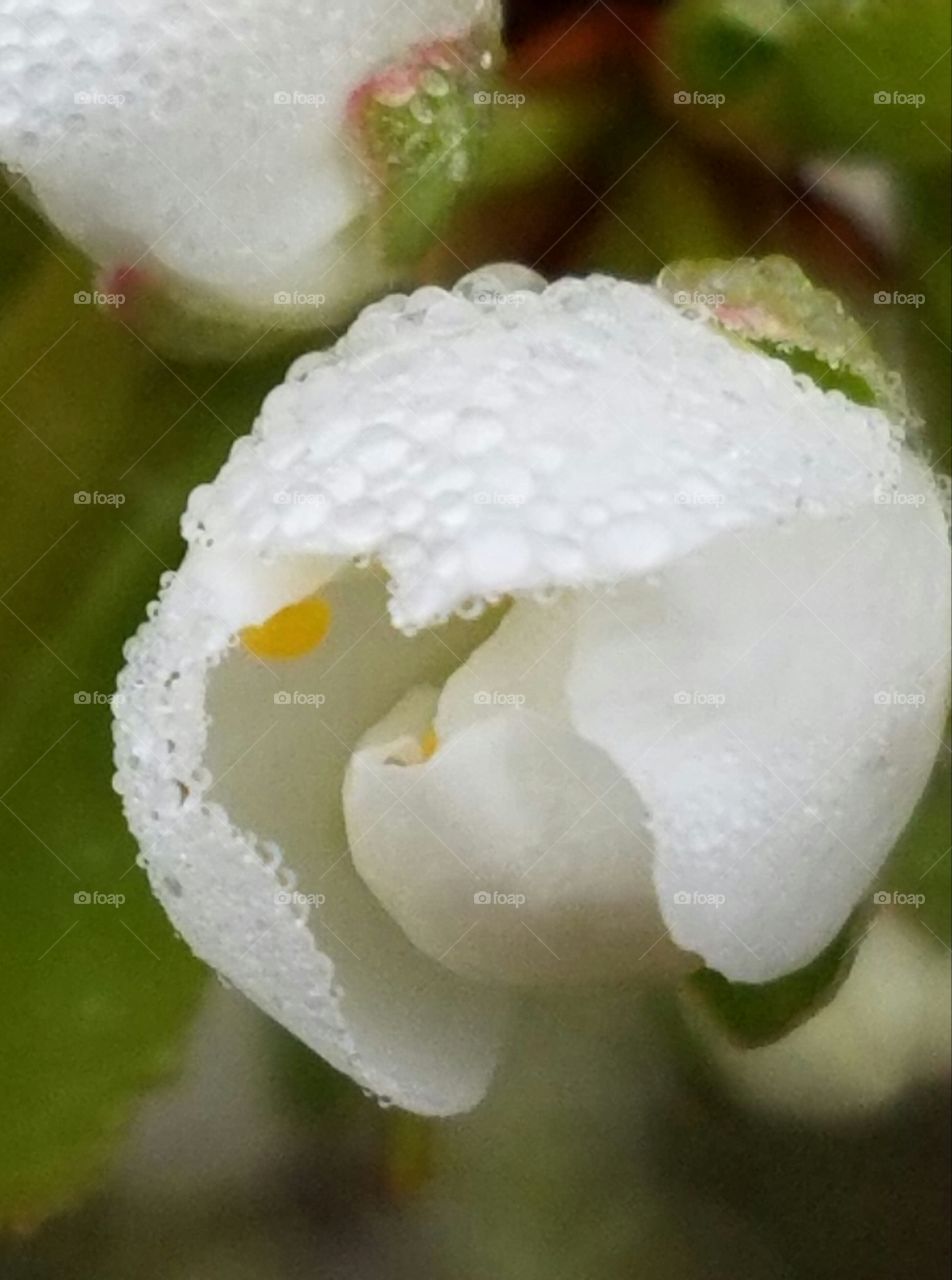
{"type": "Point", "coordinates": [925, 207]}
{"type": "Point", "coordinates": [869, 77]}
{"type": "Point", "coordinates": [919, 876]}
{"type": "Point", "coordinates": [103, 441]}
{"type": "Point", "coordinates": [755, 1014]}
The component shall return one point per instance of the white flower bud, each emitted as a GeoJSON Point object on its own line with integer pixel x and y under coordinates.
{"type": "Point", "coordinates": [701, 751]}
{"type": "Point", "coordinates": [208, 150]}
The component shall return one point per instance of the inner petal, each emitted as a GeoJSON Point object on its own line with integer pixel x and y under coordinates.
{"type": "Point", "coordinates": [517, 851]}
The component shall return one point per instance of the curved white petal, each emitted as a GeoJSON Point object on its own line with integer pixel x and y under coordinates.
{"type": "Point", "coordinates": [583, 434]}
{"type": "Point", "coordinates": [781, 704]}
{"type": "Point", "coordinates": [231, 771]}
{"type": "Point", "coordinates": [517, 851]}
{"type": "Point", "coordinates": [208, 141]}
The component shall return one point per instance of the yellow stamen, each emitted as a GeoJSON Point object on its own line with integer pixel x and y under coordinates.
{"type": "Point", "coordinates": [291, 631]}
{"type": "Point", "coordinates": [429, 743]}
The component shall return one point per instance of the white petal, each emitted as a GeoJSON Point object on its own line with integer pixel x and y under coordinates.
{"type": "Point", "coordinates": [583, 434]}
{"type": "Point", "coordinates": [160, 133]}
{"type": "Point", "coordinates": [777, 701]}
{"type": "Point", "coordinates": [263, 805]}
{"type": "Point", "coordinates": [516, 853]}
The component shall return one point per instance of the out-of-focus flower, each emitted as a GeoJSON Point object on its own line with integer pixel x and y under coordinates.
{"type": "Point", "coordinates": [224, 153]}
{"type": "Point", "coordinates": [886, 1031]}
{"type": "Point", "coordinates": [686, 704]}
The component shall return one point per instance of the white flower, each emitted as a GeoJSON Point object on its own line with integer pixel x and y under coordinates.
{"type": "Point", "coordinates": [209, 145]}
{"type": "Point", "coordinates": [888, 1030]}
{"type": "Point", "coordinates": [701, 749]}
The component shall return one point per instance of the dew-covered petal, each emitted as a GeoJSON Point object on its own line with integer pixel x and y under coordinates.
{"type": "Point", "coordinates": [777, 702]}
{"type": "Point", "coordinates": [210, 141]}
{"type": "Point", "coordinates": [479, 443]}
{"type": "Point", "coordinates": [231, 768]}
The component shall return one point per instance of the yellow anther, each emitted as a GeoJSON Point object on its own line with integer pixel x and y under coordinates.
{"type": "Point", "coordinates": [291, 631]}
{"type": "Point", "coordinates": [429, 743]}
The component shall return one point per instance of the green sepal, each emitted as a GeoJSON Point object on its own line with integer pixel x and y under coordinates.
{"type": "Point", "coordinates": [421, 128]}
{"type": "Point", "coordinates": [771, 304]}
{"type": "Point", "coordinates": [754, 1014]}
